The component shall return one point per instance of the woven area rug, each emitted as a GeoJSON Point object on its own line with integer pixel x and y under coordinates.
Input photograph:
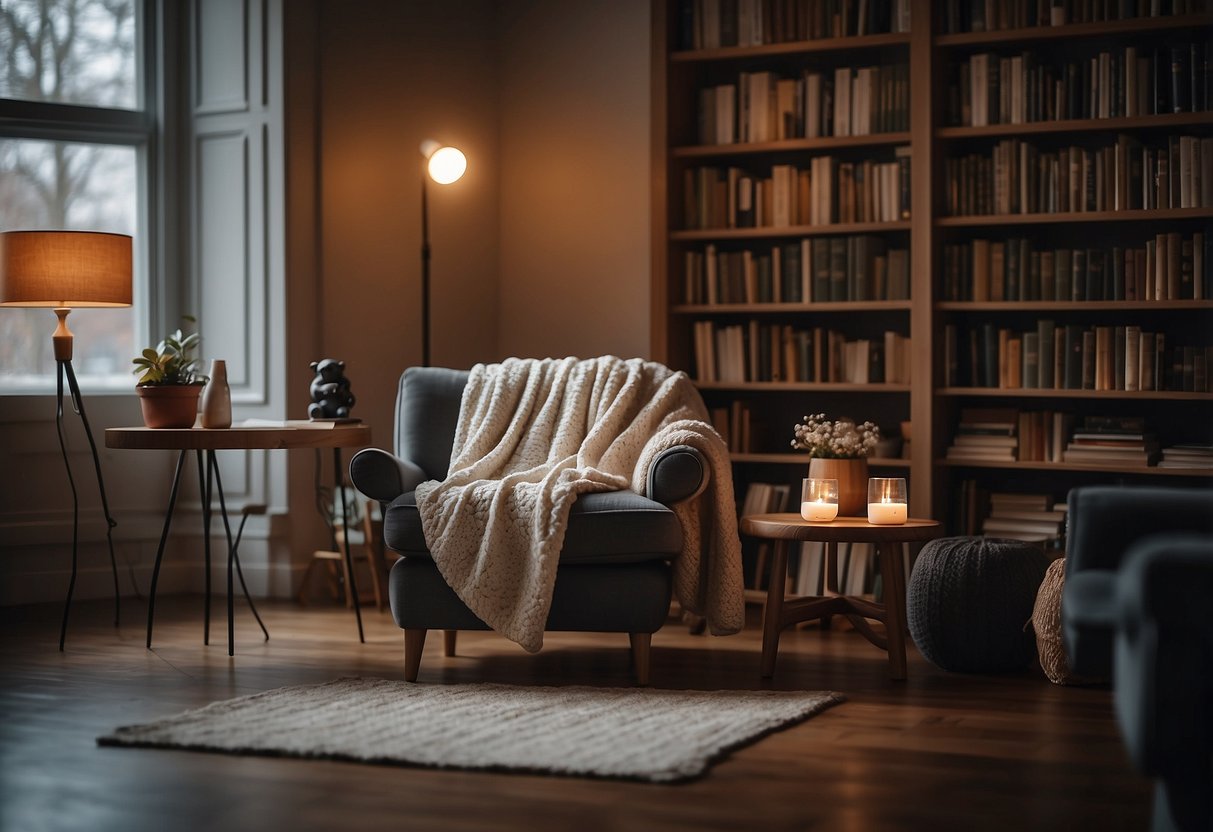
{"type": "Point", "coordinates": [630, 733]}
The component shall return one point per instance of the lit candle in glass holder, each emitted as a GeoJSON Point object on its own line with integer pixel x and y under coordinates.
{"type": "Point", "coordinates": [819, 500]}
{"type": "Point", "coordinates": [887, 501]}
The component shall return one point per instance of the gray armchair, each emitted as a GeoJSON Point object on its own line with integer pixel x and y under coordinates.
{"type": "Point", "coordinates": [1104, 521]}
{"type": "Point", "coordinates": [1135, 608]}
{"type": "Point", "coordinates": [613, 573]}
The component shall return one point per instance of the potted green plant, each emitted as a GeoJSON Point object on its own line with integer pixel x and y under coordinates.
{"type": "Point", "coordinates": [169, 382]}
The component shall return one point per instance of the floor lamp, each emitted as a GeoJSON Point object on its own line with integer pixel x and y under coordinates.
{"type": "Point", "coordinates": [63, 270]}
{"type": "Point", "coordinates": [444, 165]}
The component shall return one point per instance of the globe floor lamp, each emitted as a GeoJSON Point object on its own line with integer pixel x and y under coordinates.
{"type": "Point", "coordinates": [63, 270]}
{"type": "Point", "coordinates": [444, 165]}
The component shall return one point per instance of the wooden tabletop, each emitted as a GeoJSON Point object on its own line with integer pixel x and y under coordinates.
{"type": "Point", "coordinates": [789, 526]}
{"type": "Point", "coordinates": [240, 437]}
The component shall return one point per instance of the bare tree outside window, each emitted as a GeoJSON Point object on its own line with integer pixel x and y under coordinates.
{"type": "Point", "coordinates": [76, 52]}
{"type": "Point", "coordinates": [69, 52]}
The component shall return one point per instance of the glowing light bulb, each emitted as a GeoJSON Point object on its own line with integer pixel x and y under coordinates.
{"type": "Point", "coordinates": [446, 165]}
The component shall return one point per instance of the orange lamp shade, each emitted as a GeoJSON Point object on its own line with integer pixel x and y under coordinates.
{"type": "Point", "coordinates": [65, 269]}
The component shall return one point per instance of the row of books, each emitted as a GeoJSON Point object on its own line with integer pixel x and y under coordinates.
{"type": "Point", "coordinates": [822, 269]}
{"type": "Point", "coordinates": [735, 424]}
{"type": "Point", "coordinates": [1187, 457]}
{"type": "Point", "coordinates": [829, 191]}
{"type": "Point", "coordinates": [1171, 266]}
{"type": "Point", "coordinates": [1007, 435]}
{"type": "Point", "coordinates": [1073, 357]}
{"type": "Point", "coordinates": [754, 351]}
{"type": "Point", "coordinates": [994, 89]}
{"type": "Point", "coordinates": [711, 24]}
{"type": "Point", "coordinates": [999, 15]}
{"type": "Point", "coordinates": [1032, 518]}
{"type": "Point", "coordinates": [763, 107]}
{"type": "Point", "coordinates": [1018, 178]}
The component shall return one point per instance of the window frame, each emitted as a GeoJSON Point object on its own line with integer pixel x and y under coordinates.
{"type": "Point", "coordinates": [141, 129]}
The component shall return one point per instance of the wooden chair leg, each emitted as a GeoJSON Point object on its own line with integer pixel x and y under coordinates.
{"type": "Point", "coordinates": [448, 642]}
{"type": "Point", "coordinates": [414, 642]}
{"type": "Point", "coordinates": [641, 643]}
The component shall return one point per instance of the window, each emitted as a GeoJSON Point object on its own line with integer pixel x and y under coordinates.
{"type": "Point", "coordinates": [75, 131]}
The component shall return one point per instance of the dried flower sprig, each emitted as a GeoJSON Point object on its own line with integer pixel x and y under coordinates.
{"type": "Point", "coordinates": [842, 439]}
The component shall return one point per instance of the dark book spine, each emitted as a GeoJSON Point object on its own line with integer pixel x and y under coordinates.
{"type": "Point", "coordinates": [1161, 72]}
{"type": "Point", "coordinates": [1118, 360]}
{"type": "Point", "coordinates": [989, 355]}
{"type": "Point", "coordinates": [1073, 361]}
{"type": "Point", "coordinates": [1179, 80]}
{"type": "Point", "coordinates": [1088, 360]}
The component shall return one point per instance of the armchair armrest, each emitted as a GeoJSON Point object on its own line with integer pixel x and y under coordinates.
{"type": "Point", "coordinates": [1163, 652]}
{"type": "Point", "coordinates": [1105, 520]}
{"type": "Point", "coordinates": [383, 476]}
{"type": "Point", "coordinates": [676, 474]}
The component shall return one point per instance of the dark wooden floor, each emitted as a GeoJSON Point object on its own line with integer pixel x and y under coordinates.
{"type": "Point", "coordinates": [939, 751]}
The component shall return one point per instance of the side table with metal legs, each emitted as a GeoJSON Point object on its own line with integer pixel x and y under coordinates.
{"type": "Point", "coordinates": [205, 442]}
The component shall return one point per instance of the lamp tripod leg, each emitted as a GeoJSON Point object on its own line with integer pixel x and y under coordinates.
{"type": "Point", "coordinates": [71, 586]}
{"type": "Point", "coordinates": [110, 522]}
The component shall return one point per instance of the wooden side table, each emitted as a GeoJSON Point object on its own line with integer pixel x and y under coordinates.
{"type": "Point", "coordinates": [210, 440]}
{"type": "Point", "coordinates": [780, 613]}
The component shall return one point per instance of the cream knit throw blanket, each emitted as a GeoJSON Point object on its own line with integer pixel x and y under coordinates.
{"type": "Point", "coordinates": [535, 434]}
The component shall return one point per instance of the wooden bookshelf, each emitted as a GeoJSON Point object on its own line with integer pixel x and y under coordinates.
{"type": "Point", "coordinates": [782, 308]}
{"type": "Point", "coordinates": [791, 49]}
{"type": "Point", "coordinates": [837, 229]}
{"type": "Point", "coordinates": [1156, 215]}
{"type": "Point", "coordinates": [929, 404]}
{"type": "Point", "coordinates": [1053, 393]}
{"type": "Point", "coordinates": [1166, 121]}
{"type": "Point", "coordinates": [1074, 305]}
{"type": "Point", "coordinates": [824, 144]}
{"type": "Point", "coordinates": [1044, 34]}
{"type": "Point", "coordinates": [1134, 470]}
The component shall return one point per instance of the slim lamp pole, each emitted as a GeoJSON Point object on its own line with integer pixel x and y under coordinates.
{"type": "Point", "coordinates": [425, 267]}
{"type": "Point", "coordinates": [445, 165]}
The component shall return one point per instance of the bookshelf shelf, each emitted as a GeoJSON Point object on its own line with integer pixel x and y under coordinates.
{"type": "Point", "coordinates": [785, 308]}
{"type": "Point", "coordinates": [800, 459]}
{"type": "Point", "coordinates": [1042, 34]}
{"type": "Point", "coordinates": [825, 143]}
{"type": "Point", "coordinates": [793, 48]}
{"type": "Point", "coordinates": [1167, 121]}
{"type": "Point", "coordinates": [1154, 215]}
{"type": "Point", "coordinates": [1036, 393]}
{"type": "Point", "coordinates": [766, 231]}
{"type": "Point", "coordinates": [802, 386]}
{"type": "Point", "coordinates": [1076, 306]}
{"type": "Point", "coordinates": [1072, 466]}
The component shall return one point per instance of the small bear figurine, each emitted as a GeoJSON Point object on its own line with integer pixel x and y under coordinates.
{"type": "Point", "coordinates": [331, 396]}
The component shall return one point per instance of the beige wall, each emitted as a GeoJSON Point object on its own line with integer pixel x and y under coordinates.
{"type": "Point", "coordinates": [542, 248]}
{"type": "Point", "coordinates": [390, 75]}
{"type": "Point", "coordinates": [574, 263]}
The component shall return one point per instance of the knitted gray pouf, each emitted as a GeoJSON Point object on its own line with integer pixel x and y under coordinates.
{"type": "Point", "coordinates": [968, 602]}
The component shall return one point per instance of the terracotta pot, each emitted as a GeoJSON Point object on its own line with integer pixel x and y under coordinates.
{"type": "Point", "coordinates": [169, 405]}
{"type": "Point", "coordinates": [852, 476]}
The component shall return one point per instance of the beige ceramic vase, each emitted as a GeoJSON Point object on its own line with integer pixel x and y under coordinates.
{"type": "Point", "coordinates": [852, 476]}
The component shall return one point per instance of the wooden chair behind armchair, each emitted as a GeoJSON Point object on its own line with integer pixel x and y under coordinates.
{"type": "Point", "coordinates": [366, 545]}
